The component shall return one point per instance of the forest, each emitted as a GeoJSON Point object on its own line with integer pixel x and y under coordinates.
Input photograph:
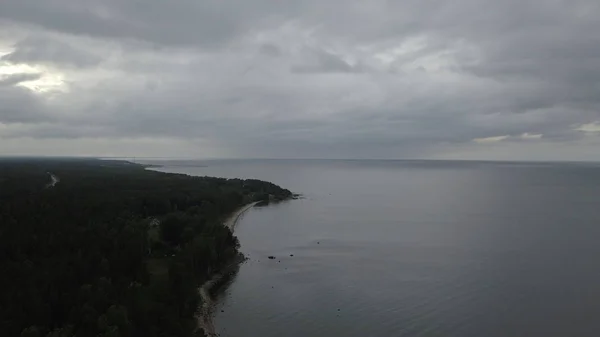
{"type": "Point", "coordinates": [105, 248]}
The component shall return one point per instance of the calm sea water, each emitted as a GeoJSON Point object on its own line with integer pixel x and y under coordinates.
{"type": "Point", "coordinates": [416, 248]}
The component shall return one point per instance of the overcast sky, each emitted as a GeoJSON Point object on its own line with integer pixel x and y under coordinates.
{"type": "Point", "coordinates": [463, 79]}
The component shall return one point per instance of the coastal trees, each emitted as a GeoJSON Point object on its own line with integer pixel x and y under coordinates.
{"type": "Point", "coordinates": [172, 228]}
{"type": "Point", "coordinates": [113, 249]}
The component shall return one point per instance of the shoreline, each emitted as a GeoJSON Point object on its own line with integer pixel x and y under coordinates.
{"type": "Point", "coordinates": [205, 312]}
{"type": "Point", "coordinates": [232, 220]}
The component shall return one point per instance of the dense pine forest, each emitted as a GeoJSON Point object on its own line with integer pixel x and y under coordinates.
{"type": "Point", "coordinates": [108, 248]}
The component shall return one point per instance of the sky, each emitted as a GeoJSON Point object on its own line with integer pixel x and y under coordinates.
{"type": "Point", "coordinates": [427, 79]}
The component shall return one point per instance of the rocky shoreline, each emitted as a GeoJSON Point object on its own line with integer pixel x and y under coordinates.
{"type": "Point", "coordinates": [205, 312]}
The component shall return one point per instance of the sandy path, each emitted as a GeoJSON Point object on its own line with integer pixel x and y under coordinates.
{"type": "Point", "coordinates": [53, 180]}
{"type": "Point", "coordinates": [205, 316]}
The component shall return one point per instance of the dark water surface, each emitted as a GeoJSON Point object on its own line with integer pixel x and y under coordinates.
{"type": "Point", "coordinates": [416, 248]}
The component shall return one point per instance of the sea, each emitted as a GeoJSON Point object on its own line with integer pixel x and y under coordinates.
{"type": "Point", "coordinates": [415, 248]}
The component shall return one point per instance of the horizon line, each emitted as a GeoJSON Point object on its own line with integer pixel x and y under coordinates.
{"type": "Point", "coordinates": [129, 158]}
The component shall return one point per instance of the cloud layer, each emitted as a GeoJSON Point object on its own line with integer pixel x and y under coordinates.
{"type": "Point", "coordinates": [335, 79]}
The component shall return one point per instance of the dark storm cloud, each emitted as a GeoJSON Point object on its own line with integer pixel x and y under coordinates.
{"type": "Point", "coordinates": [35, 50]}
{"type": "Point", "coordinates": [309, 78]}
{"type": "Point", "coordinates": [11, 80]}
{"type": "Point", "coordinates": [178, 22]}
{"type": "Point", "coordinates": [321, 61]}
{"type": "Point", "coordinates": [19, 105]}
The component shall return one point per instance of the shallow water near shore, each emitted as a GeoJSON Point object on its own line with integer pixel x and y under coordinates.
{"type": "Point", "coordinates": [415, 248]}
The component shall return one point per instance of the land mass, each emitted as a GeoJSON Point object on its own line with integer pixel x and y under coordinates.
{"type": "Point", "coordinates": [113, 249]}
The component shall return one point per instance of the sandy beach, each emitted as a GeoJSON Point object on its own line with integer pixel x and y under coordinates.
{"type": "Point", "coordinates": [205, 314]}
{"type": "Point", "coordinates": [232, 220]}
